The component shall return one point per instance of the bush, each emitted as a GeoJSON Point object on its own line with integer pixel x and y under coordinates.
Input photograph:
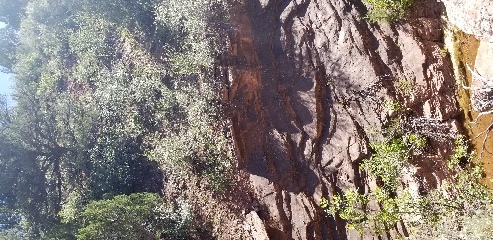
{"type": "Point", "coordinates": [390, 157]}
{"type": "Point", "coordinates": [388, 10]}
{"type": "Point", "coordinates": [460, 152]}
{"type": "Point", "coordinates": [393, 106]}
{"type": "Point", "coordinates": [360, 215]}
{"type": "Point", "coordinates": [135, 216]}
{"type": "Point", "coordinates": [404, 86]}
{"type": "Point", "coordinates": [459, 204]}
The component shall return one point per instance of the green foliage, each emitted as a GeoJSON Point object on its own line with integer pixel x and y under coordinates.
{"type": "Point", "coordinates": [387, 162]}
{"type": "Point", "coordinates": [135, 216]}
{"type": "Point", "coordinates": [8, 41]}
{"type": "Point", "coordinates": [350, 207]}
{"type": "Point", "coordinates": [392, 105]}
{"type": "Point", "coordinates": [380, 216]}
{"type": "Point", "coordinates": [103, 87]}
{"type": "Point", "coordinates": [9, 218]}
{"type": "Point", "coordinates": [435, 215]}
{"type": "Point", "coordinates": [460, 152]}
{"type": "Point", "coordinates": [393, 130]}
{"type": "Point", "coordinates": [388, 10]}
{"type": "Point", "coordinates": [476, 226]}
{"type": "Point", "coordinates": [11, 235]}
{"type": "Point", "coordinates": [415, 142]}
{"type": "Point", "coordinates": [324, 203]}
{"type": "Point", "coordinates": [72, 207]}
{"type": "Point", "coordinates": [460, 203]}
{"type": "Point", "coordinates": [404, 86]}
{"type": "Point", "coordinates": [189, 22]}
{"type": "Point", "coordinates": [217, 176]}
{"type": "Point", "coordinates": [443, 52]}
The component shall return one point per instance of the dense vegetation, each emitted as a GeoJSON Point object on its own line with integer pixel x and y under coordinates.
{"type": "Point", "coordinates": [105, 92]}
{"type": "Point", "coordinates": [113, 97]}
{"type": "Point", "coordinates": [445, 213]}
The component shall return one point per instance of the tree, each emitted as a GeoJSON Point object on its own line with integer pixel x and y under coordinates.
{"type": "Point", "coordinates": [11, 12]}
{"type": "Point", "coordinates": [8, 44]}
{"type": "Point", "coordinates": [99, 93]}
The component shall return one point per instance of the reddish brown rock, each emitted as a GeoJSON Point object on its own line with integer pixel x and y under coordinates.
{"type": "Point", "coordinates": [255, 228]}
{"type": "Point", "coordinates": [308, 82]}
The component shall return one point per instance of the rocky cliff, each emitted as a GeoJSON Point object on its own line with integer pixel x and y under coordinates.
{"type": "Point", "coordinates": [308, 82]}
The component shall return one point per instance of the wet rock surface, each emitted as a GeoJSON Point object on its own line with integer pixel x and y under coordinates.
{"type": "Point", "coordinates": [482, 83]}
{"type": "Point", "coordinates": [308, 82]}
{"type": "Point", "coordinates": [476, 18]}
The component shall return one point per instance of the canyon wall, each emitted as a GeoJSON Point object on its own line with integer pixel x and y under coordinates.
{"type": "Point", "coordinates": [308, 82]}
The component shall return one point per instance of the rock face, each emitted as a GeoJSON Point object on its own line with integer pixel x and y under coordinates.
{"type": "Point", "coordinates": [476, 18]}
{"type": "Point", "coordinates": [482, 95]}
{"type": "Point", "coordinates": [255, 228]}
{"type": "Point", "coordinates": [308, 82]}
{"type": "Point", "coordinates": [472, 17]}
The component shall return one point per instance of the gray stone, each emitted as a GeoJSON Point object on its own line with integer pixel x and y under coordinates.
{"type": "Point", "coordinates": [472, 17]}
{"type": "Point", "coordinates": [255, 227]}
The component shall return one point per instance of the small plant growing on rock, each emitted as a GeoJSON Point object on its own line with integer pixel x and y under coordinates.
{"type": "Point", "coordinates": [404, 86]}
{"type": "Point", "coordinates": [460, 151]}
{"type": "Point", "coordinates": [443, 52]}
{"type": "Point", "coordinates": [434, 215]}
{"type": "Point", "coordinates": [390, 157]}
{"type": "Point", "coordinates": [393, 106]}
{"type": "Point", "coordinates": [388, 10]}
{"type": "Point", "coordinates": [387, 162]}
{"type": "Point", "coordinates": [378, 217]}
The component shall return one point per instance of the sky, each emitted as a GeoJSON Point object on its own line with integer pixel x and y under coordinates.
{"type": "Point", "coordinates": [6, 83]}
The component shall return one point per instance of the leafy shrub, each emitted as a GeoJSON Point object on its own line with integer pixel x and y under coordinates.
{"type": "Point", "coordinates": [391, 105]}
{"type": "Point", "coordinates": [387, 162]}
{"type": "Point", "coordinates": [189, 21]}
{"type": "Point", "coordinates": [435, 215]}
{"type": "Point", "coordinates": [388, 10]}
{"type": "Point", "coordinates": [443, 52]}
{"type": "Point", "coordinates": [355, 209]}
{"type": "Point", "coordinates": [135, 216]}
{"type": "Point", "coordinates": [191, 139]}
{"type": "Point", "coordinates": [460, 152]}
{"type": "Point", "coordinates": [404, 86]}
{"type": "Point", "coordinates": [477, 226]}
{"type": "Point", "coordinates": [104, 86]}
